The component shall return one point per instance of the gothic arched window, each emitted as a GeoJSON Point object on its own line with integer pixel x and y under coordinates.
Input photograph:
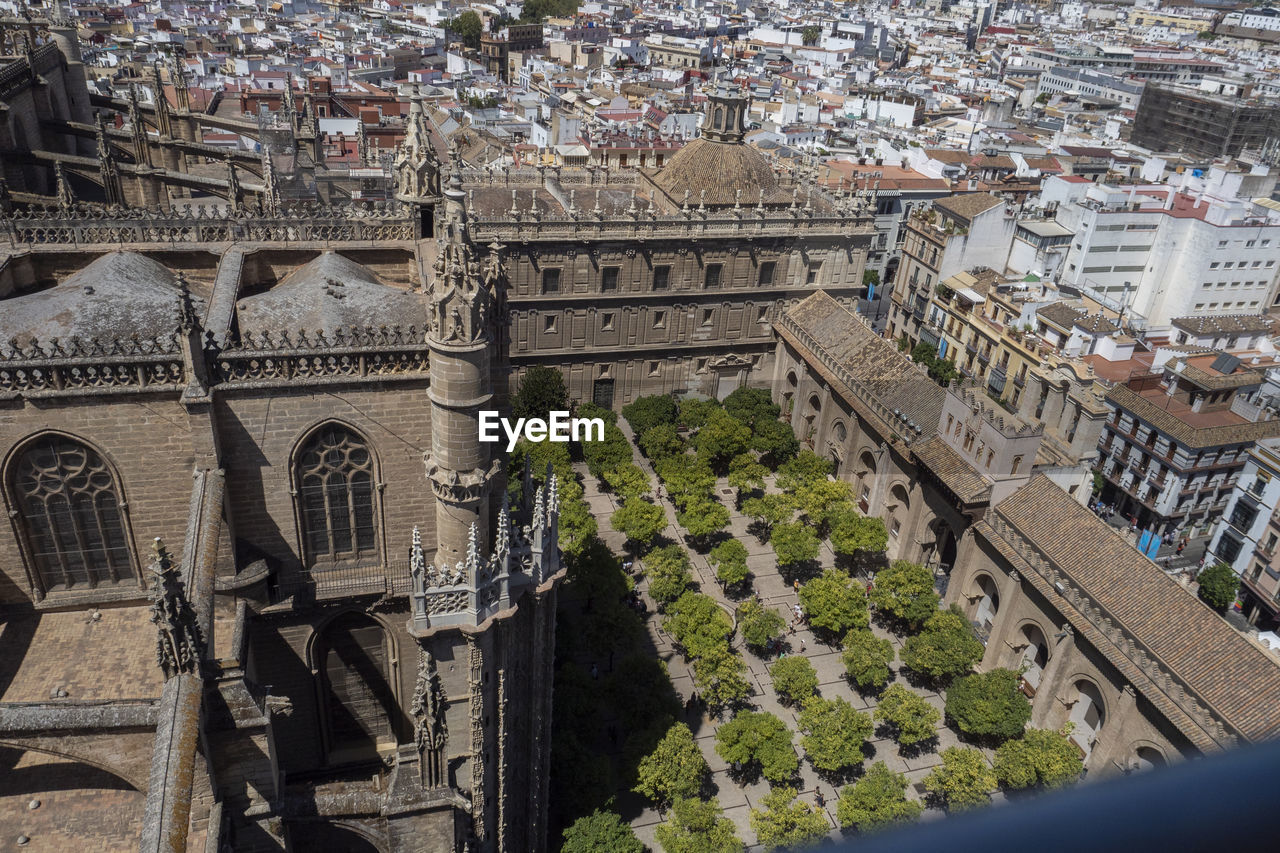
{"type": "Point", "coordinates": [71, 515]}
{"type": "Point", "coordinates": [335, 488]}
{"type": "Point", "coordinates": [718, 123]}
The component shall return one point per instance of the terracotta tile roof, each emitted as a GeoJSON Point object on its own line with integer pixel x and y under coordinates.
{"type": "Point", "coordinates": [872, 362]}
{"type": "Point", "coordinates": [952, 469]}
{"type": "Point", "coordinates": [968, 205]}
{"type": "Point", "coordinates": [1228, 673]}
{"type": "Point", "coordinates": [1230, 324]}
{"type": "Point", "coordinates": [1191, 436]}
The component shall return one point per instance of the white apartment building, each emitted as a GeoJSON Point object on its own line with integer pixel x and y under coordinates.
{"type": "Point", "coordinates": [1160, 252]}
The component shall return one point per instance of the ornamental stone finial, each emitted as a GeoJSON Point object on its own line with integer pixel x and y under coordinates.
{"type": "Point", "coordinates": [179, 646]}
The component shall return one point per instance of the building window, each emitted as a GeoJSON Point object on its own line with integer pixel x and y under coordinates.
{"type": "Point", "coordinates": [659, 319]}
{"type": "Point", "coordinates": [335, 486]}
{"type": "Point", "coordinates": [606, 321]}
{"type": "Point", "coordinates": [766, 273]}
{"type": "Point", "coordinates": [609, 279]}
{"type": "Point", "coordinates": [661, 277]}
{"type": "Point", "coordinates": [70, 514]}
{"type": "Point", "coordinates": [712, 277]}
{"type": "Point", "coordinates": [1017, 464]}
{"type": "Point", "coordinates": [551, 281]}
{"type": "Point", "coordinates": [356, 685]}
{"type": "Point", "coordinates": [655, 367]}
{"type": "Point", "coordinates": [708, 314]}
{"type": "Point", "coordinates": [895, 528]}
{"type": "Point", "coordinates": [549, 324]}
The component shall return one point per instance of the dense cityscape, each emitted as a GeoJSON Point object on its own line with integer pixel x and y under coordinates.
{"type": "Point", "coordinates": [923, 360]}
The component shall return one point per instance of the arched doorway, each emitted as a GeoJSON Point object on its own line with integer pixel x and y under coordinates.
{"type": "Point", "coordinates": [1035, 654]}
{"type": "Point", "coordinates": [1088, 714]}
{"type": "Point", "coordinates": [987, 601]}
{"type": "Point", "coordinates": [1148, 758]}
{"type": "Point", "coordinates": [330, 837]}
{"type": "Point", "coordinates": [356, 688]}
{"type": "Point", "coordinates": [866, 479]}
{"type": "Point", "coordinates": [898, 505]}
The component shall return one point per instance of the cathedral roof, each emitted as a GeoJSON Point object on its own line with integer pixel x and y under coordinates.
{"type": "Point", "coordinates": [116, 296]}
{"type": "Point", "coordinates": [328, 293]}
{"type": "Point", "coordinates": [719, 168]}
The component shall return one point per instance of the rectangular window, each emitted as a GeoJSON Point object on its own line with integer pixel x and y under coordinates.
{"type": "Point", "coordinates": [712, 277]}
{"type": "Point", "coordinates": [609, 280]}
{"type": "Point", "coordinates": [812, 276]}
{"type": "Point", "coordinates": [661, 276]}
{"type": "Point", "coordinates": [1215, 265]}
{"type": "Point", "coordinates": [707, 315]}
{"type": "Point", "coordinates": [549, 324]}
{"type": "Point", "coordinates": [659, 319]}
{"type": "Point", "coordinates": [766, 273]}
{"type": "Point", "coordinates": [551, 281]}
{"type": "Point", "coordinates": [606, 321]}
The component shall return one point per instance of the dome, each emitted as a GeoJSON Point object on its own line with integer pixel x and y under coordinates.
{"type": "Point", "coordinates": [329, 293]}
{"type": "Point", "coordinates": [116, 296]}
{"type": "Point", "coordinates": [720, 168]}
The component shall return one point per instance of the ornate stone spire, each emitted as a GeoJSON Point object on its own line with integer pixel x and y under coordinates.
{"type": "Point", "coordinates": [179, 646]}
{"type": "Point", "coordinates": [430, 728]}
{"type": "Point", "coordinates": [289, 108]}
{"type": "Point", "coordinates": [141, 150]}
{"type": "Point", "coordinates": [179, 80]}
{"type": "Point", "coordinates": [107, 166]}
{"type": "Point", "coordinates": [65, 200]}
{"type": "Point", "coordinates": [234, 198]}
{"type": "Point", "coordinates": [270, 189]}
{"type": "Point", "coordinates": [162, 103]}
{"type": "Point", "coordinates": [417, 168]}
{"type": "Point", "coordinates": [362, 143]}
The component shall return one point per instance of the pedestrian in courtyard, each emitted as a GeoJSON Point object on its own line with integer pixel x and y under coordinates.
{"type": "Point", "coordinates": [1181, 545]}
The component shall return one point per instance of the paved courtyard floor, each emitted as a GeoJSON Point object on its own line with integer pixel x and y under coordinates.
{"type": "Point", "coordinates": [738, 799]}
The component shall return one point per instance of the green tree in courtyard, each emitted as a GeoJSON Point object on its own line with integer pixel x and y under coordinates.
{"type": "Point", "coordinates": [758, 738]}
{"type": "Point", "coordinates": [719, 675]}
{"type": "Point", "coordinates": [639, 520]}
{"type": "Point", "coordinates": [877, 800]}
{"type": "Point", "coordinates": [746, 475]}
{"type": "Point", "coordinates": [910, 717]}
{"type": "Point", "coordinates": [758, 624]}
{"type": "Point", "coordinates": [721, 438]}
{"type": "Point", "coordinates": [807, 467]}
{"type": "Point", "coordinates": [767, 511]}
{"type": "Point", "coordinates": [694, 413]}
{"type": "Point", "coordinates": [811, 33]}
{"type": "Point", "coordinates": [751, 406]}
{"type": "Point", "coordinates": [833, 733]}
{"type": "Point", "coordinates": [702, 517]}
{"type": "Point", "coordinates": [854, 534]}
{"type": "Point", "coordinates": [661, 442]}
{"type": "Point", "coordinates": [785, 823]}
{"type": "Point", "coordinates": [600, 832]}
{"type": "Point", "coordinates": [946, 647]}
{"type": "Point", "coordinates": [467, 27]}
{"type": "Point", "coordinates": [542, 389]}
{"type": "Point", "coordinates": [628, 481]}
{"type": "Point", "coordinates": [730, 561]}
{"type": "Point", "coordinates": [963, 780]}
{"type": "Point", "coordinates": [989, 704]}
{"type": "Point", "coordinates": [1218, 586]}
{"type": "Point", "coordinates": [698, 624]}
{"type": "Point", "coordinates": [698, 826]}
{"type": "Point", "coordinates": [1040, 758]}
{"type": "Point", "coordinates": [602, 456]}
{"type": "Point", "coordinates": [648, 412]}
{"type": "Point", "coordinates": [904, 591]}
{"type": "Point", "coordinates": [669, 573]}
{"type": "Point", "coordinates": [674, 770]}
{"type": "Point", "coordinates": [793, 543]}
{"type": "Point", "coordinates": [866, 658]}
{"type": "Point", "coordinates": [834, 604]}
{"type": "Point", "coordinates": [794, 678]}
{"type": "Point", "coordinates": [774, 440]}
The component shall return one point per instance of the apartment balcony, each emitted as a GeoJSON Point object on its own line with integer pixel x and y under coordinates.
{"type": "Point", "coordinates": [1020, 380]}
{"type": "Point", "coordinates": [971, 347]}
{"type": "Point", "coordinates": [984, 357]}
